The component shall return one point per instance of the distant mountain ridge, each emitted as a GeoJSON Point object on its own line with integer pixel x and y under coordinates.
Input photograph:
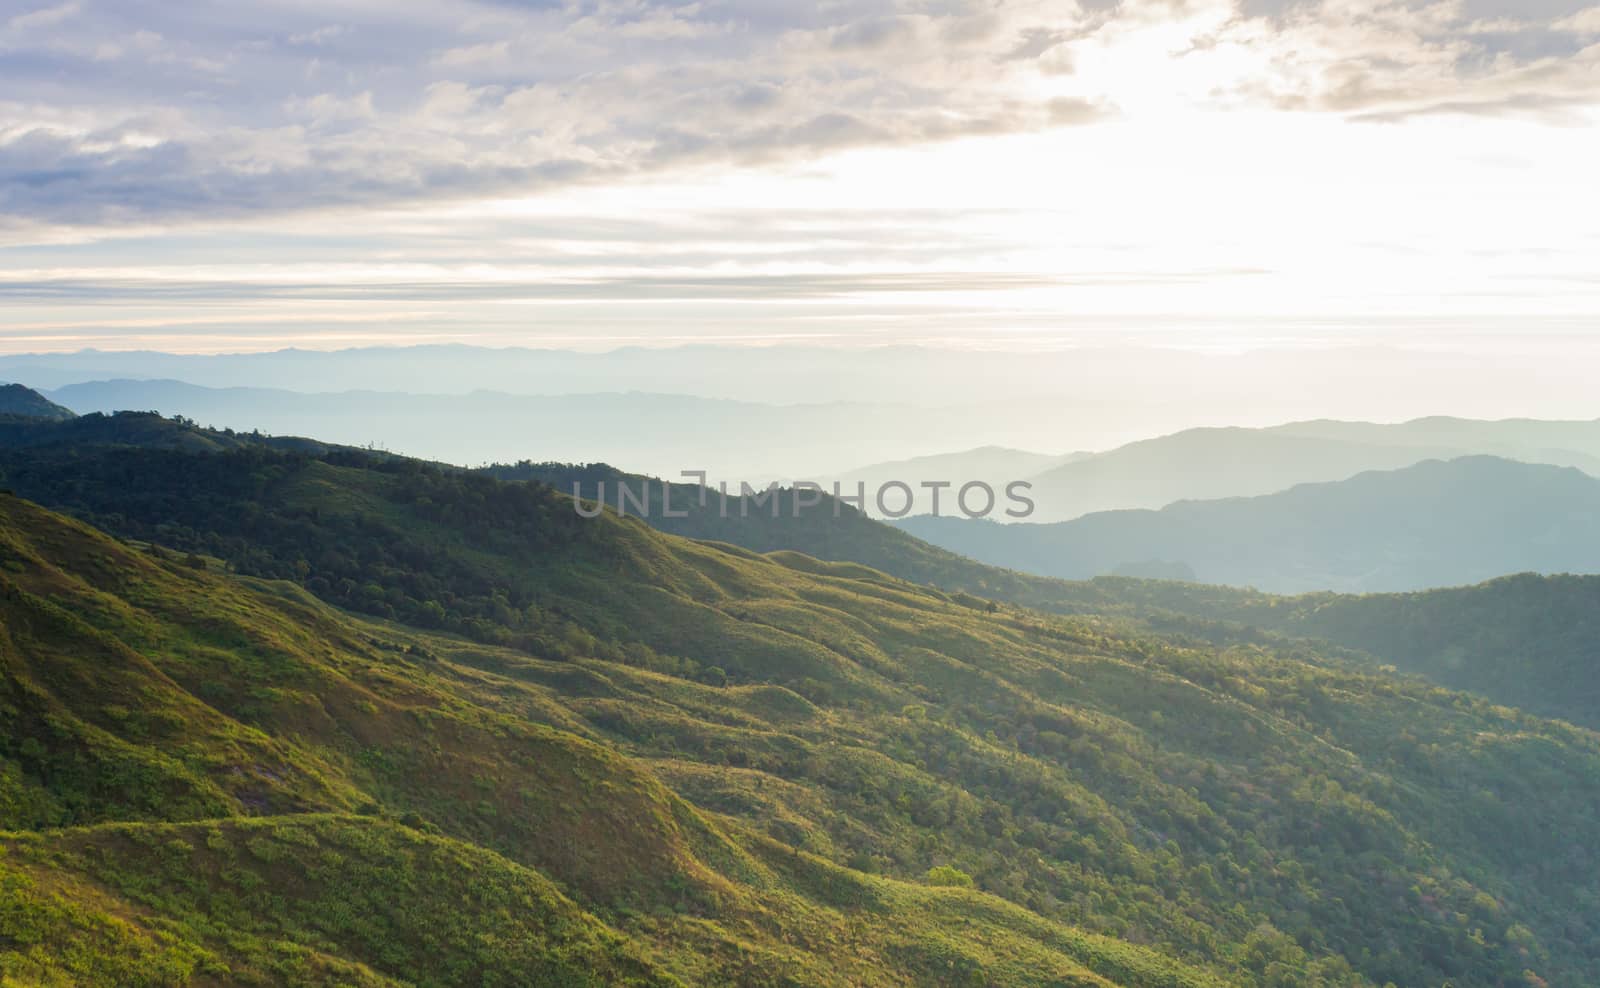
{"type": "Point", "coordinates": [996, 466]}
{"type": "Point", "coordinates": [1205, 464]}
{"type": "Point", "coordinates": [1438, 523]}
{"type": "Point", "coordinates": [653, 431]}
{"type": "Point", "coordinates": [665, 434]}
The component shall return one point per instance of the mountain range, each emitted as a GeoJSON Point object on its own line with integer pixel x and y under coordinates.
{"type": "Point", "coordinates": [1438, 523]}
{"type": "Point", "coordinates": [1205, 464]}
{"type": "Point", "coordinates": [995, 466]}
{"type": "Point", "coordinates": [668, 434]}
{"type": "Point", "coordinates": [538, 747]}
{"type": "Point", "coordinates": [92, 466]}
{"type": "Point", "coordinates": [654, 432]}
{"type": "Point", "coordinates": [1115, 393]}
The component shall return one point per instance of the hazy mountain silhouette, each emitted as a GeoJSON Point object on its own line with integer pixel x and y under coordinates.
{"type": "Point", "coordinates": [668, 433]}
{"type": "Point", "coordinates": [1433, 524]}
{"type": "Point", "coordinates": [656, 433]}
{"type": "Point", "coordinates": [996, 466]}
{"type": "Point", "coordinates": [1201, 464]}
{"type": "Point", "coordinates": [1083, 398]}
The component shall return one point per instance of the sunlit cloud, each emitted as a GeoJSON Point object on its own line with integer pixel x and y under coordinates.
{"type": "Point", "coordinates": [870, 169]}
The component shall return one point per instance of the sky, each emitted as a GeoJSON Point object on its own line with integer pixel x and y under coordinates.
{"type": "Point", "coordinates": [1207, 174]}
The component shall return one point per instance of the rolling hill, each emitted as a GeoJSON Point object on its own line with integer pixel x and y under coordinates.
{"type": "Point", "coordinates": [661, 759]}
{"type": "Point", "coordinates": [20, 402]}
{"type": "Point", "coordinates": [210, 779]}
{"type": "Point", "coordinates": [1543, 665]}
{"type": "Point", "coordinates": [92, 465]}
{"type": "Point", "coordinates": [1522, 640]}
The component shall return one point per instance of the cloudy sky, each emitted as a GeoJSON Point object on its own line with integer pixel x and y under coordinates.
{"type": "Point", "coordinates": [204, 176]}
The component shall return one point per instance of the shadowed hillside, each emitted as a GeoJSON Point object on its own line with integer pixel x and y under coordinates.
{"type": "Point", "coordinates": [1526, 641]}
{"type": "Point", "coordinates": [21, 402]}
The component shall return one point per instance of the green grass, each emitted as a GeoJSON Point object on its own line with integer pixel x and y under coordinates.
{"type": "Point", "coordinates": [732, 769]}
{"type": "Point", "coordinates": [306, 899]}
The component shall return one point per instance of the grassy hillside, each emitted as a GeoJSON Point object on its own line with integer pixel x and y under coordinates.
{"type": "Point", "coordinates": [831, 530]}
{"type": "Point", "coordinates": [1522, 642]}
{"type": "Point", "coordinates": [207, 779]}
{"type": "Point", "coordinates": [1526, 641]}
{"type": "Point", "coordinates": [132, 474]}
{"type": "Point", "coordinates": [730, 768]}
{"type": "Point", "coordinates": [22, 402]}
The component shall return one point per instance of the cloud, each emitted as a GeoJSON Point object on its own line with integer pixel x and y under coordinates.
{"type": "Point", "coordinates": [118, 112]}
{"type": "Point", "coordinates": [1033, 42]}
{"type": "Point", "coordinates": [43, 17]}
{"type": "Point", "coordinates": [317, 36]}
{"type": "Point", "coordinates": [280, 107]}
{"type": "Point", "coordinates": [1393, 60]}
{"type": "Point", "coordinates": [1585, 23]}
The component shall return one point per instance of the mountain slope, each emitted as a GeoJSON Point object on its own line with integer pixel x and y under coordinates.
{"type": "Point", "coordinates": [311, 899]}
{"type": "Point", "coordinates": [762, 769]}
{"type": "Point", "coordinates": [812, 523]}
{"type": "Point", "coordinates": [1526, 641]}
{"type": "Point", "coordinates": [1523, 641]}
{"type": "Point", "coordinates": [1532, 654]}
{"type": "Point", "coordinates": [226, 778]}
{"type": "Point", "coordinates": [1434, 524]}
{"type": "Point", "coordinates": [16, 400]}
{"type": "Point", "coordinates": [96, 465]}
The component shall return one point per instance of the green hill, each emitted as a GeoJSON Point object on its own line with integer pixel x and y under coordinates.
{"type": "Point", "coordinates": [829, 529]}
{"type": "Point", "coordinates": [727, 768]}
{"type": "Point", "coordinates": [138, 430]}
{"type": "Point", "coordinates": [1526, 641]}
{"type": "Point", "coordinates": [214, 779]}
{"type": "Point", "coordinates": [1521, 642]}
{"type": "Point", "coordinates": [25, 403]}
